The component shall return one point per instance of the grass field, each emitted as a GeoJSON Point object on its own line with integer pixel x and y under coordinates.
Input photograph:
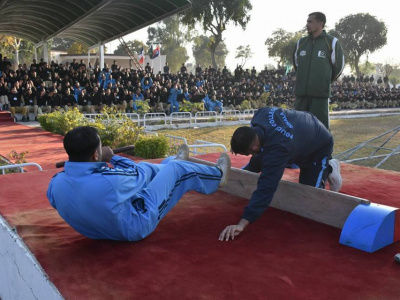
{"type": "Point", "coordinates": [347, 133]}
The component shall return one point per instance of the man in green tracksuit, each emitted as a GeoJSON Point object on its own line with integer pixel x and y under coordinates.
{"type": "Point", "coordinates": [318, 60]}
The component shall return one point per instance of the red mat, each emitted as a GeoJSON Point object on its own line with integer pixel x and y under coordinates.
{"type": "Point", "coordinates": [281, 256]}
{"type": "Point", "coordinates": [5, 117]}
{"type": "Point", "coordinates": [43, 147]}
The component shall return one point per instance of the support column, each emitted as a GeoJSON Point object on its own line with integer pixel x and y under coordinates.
{"type": "Point", "coordinates": [36, 54]}
{"type": "Point", "coordinates": [45, 55]}
{"type": "Point", "coordinates": [101, 50]}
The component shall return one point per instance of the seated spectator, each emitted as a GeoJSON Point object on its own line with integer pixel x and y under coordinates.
{"type": "Point", "coordinates": [30, 103]}
{"type": "Point", "coordinates": [212, 104]}
{"type": "Point", "coordinates": [136, 97]}
{"type": "Point", "coordinates": [68, 101]}
{"type": "Point", "coordinates": [146, 82]}
{"type": "Point", "coordinates": [17, 105]}
{"type": "Point", "coordinates": [173, 97]}
{"type": "Point", "coordinates": [43, 103]}
{"type": "Point", "coordinates": [4, 104]}
{"type": "Point", "coordinates": [109, 98]}
{"type": "Point", "coordinates": [163, 105]}
{"type": "Point", "coordinates": [83, 102]}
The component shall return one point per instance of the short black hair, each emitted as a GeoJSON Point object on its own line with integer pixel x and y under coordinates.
{"type": "Point", "coordinates": [319, 16]}
{"type": "Point", "coordinates": [81, 142]}
{"type": "Point", "coordinates": [241, 139]}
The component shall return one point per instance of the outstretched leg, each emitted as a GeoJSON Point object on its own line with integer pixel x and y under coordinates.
{"type": "Point", "coordinates": [172, 182]}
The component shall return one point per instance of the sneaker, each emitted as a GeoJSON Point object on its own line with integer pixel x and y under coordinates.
{"type": "Point", "coordinates": [397, 257]}
{"type": "Point", "coordinates": [183, 152]}
{"type": "Point", "coordinates": [335, 179]}
{"type": "Point", "coordinates": [224, 164]}
{"type": "Point", "coordinates": [15, 119]}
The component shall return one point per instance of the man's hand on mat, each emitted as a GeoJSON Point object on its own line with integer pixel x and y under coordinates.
{"type": "Point", "coordinates": [233, 230]}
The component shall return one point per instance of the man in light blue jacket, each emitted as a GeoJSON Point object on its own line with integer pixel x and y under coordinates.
{"type": "Point", "coordinates": [125, 202]}
{"type": "Point", "coordinates": [173, 97]}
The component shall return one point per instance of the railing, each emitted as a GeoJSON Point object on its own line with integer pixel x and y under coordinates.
{"type": "Point", "coordinates": [20, 166]}
{"type": "Point", "coordinates": [200, 147]}
{"type": "Point", "coordinates": [176, 140]}
{"type": "Point", "coordinates": [203, 147]}
{"type": "Point", "coordinates": [186, 119]}
{"type": "Point", "coordinates": [146, 132]}
{"type": "Point", "coordinates": [179, 117]}
{"type": "Point", "coordinates": [155, 117]}
{"type": "Point", "coordinates": [205, 117]}
{"type": "Point", "coordinates": [231, 115]}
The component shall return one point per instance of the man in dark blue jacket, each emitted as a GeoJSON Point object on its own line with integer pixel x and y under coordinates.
{"type": "Point", "coordinates": [278, 138]}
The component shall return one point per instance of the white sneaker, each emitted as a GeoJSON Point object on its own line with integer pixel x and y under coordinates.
{"type": "Point", "coordinates": [183, 152]}
{"type": "Point", "coordinates": [224, 164]}
{"type": "Point", "coordinates": [335, 179]}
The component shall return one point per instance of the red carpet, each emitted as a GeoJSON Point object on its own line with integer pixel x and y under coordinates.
{"type": "Point", "coordinates": [281, 256]}
{"type": "Point", "coordinates": [5, 117]}
{"type": "Point", "coordinates": [44, 148]}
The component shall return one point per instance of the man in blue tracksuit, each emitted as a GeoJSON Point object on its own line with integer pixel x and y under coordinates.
{"type": "Point", "coordinates": [276, 139]}
{"type": "Point", "coordinates": [173, 98]}
{"type": "Point", "coordinates": [128, 201]}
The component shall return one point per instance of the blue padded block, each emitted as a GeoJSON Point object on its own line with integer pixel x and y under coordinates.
{"type": "Point", "coordinates": [369, 227]}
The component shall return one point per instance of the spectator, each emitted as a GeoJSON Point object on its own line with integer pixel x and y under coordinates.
{"type": "Point", "coordinates": [166, 69]}
{"type": "Point", "coordinates": [68, 100]}
{"type": "Point", "coordinates": [17, 104]}
{"type": "Point", "coordinates": [173, 97]}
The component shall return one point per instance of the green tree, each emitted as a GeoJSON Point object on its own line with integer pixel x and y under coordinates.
{"type": "Point", "coordinates": [367, 68]}
{"type": "Point", "coordinates": [78, 48]}
{"type": "Point", "coordinates": [394, 77]}
{"type": "Point", "coordinates": [389, 67]}
{"type": "Point", "coordinates": [281, 45]}
{"type": "Point", "coordinates": [214, 15]}
{"type": "Point", "coordinates": [243, 52]}
{"type": "Point", "coordinates": [394, 80]}
{"type": "Point", "coordinates": [135, 46]}
{"type": "Point", "coordinates": [173, 36]}
{"type": "Point", "coordinates": [20, 50]}
{"type": "Point", "coordinates": [202, 52]}
{"type": "Point", "coordinates": [360, 34]}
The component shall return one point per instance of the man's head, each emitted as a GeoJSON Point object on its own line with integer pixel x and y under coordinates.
{"type": "Point", "coordinates": [245, 141]}
{"type": "Point", "coordinates": [83, 144]}
{"type": "Point", "coordinates": [315, 23]}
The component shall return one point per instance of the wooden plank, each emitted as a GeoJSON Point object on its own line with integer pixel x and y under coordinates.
{"type": "Point", "coordinates": [316, 204]}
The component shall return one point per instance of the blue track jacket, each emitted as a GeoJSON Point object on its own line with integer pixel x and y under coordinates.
{"type": "Point", "coordinates": [286, 137]}
{"type": "Point", "coordinates": [98, 201]}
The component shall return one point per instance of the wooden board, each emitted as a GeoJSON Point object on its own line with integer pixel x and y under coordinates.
{"type": "Point", "coordinates": [316, 204]}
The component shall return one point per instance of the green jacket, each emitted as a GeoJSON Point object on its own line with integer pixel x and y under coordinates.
{"type": "Point", "coordinates": [318, 62]}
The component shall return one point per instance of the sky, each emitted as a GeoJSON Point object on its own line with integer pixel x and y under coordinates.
{"type": "Point", "coordinates": [290, 15]}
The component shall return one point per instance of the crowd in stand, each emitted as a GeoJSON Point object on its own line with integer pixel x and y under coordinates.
{"type": "Point", "coordinates": [45, 87]}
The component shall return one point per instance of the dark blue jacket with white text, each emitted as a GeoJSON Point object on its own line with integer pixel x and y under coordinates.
{"type": "Point", "coordinates": [286, 137]}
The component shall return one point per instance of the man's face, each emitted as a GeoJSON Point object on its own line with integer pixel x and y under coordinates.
{"type": "Point", "coordinates": [313, 26]}
{"type": "Point", "coordinates": [255, 147]}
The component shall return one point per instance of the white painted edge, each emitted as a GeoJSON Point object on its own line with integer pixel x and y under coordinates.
{"type": "Point", "coordinates": [21, 276]}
